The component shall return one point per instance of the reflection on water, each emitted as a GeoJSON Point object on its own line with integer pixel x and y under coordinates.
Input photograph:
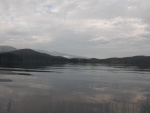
{"type": "Point", "coordinates": [5, 80]}
{"type": "Point", "coordinates": [75, 89]}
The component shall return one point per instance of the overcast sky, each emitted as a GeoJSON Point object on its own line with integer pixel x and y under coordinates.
{"type": "Point", "coordinates": [92, 28]}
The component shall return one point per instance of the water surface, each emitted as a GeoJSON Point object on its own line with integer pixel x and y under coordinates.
{"type": "Point", "coordinates": [75, 89]}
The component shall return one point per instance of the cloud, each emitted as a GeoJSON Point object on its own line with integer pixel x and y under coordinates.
{"type": "Point", "coordinates": [94, 28]}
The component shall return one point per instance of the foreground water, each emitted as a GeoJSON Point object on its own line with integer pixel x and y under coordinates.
{"type": "Point", "coordinates": [75, 89]}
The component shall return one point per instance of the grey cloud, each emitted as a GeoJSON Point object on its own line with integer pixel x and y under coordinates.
{"type": "Point", "coordinates": [94, 28]}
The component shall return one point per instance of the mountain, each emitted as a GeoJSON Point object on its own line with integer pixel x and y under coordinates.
{"type": "Point", "coordinates": [134, 61]}
{"type": "Point", "coordinates": [27, 52]}
{"type": "Point", "coordinates": [6, 49]}
{"type": "Point", "coordinates": [55, 53]}
{"type": "Point", "coordinates": [28, 57]}
{"type": "Point", "coordinates": [31, 57]}
{"type": "Point", "coordinates": [139, 61]}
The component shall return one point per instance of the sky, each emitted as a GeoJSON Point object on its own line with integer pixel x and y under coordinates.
{"type": "Point", "coordinates": [91, 28]}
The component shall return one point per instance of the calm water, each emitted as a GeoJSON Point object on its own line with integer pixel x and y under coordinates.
{"type": "Point", "coordinates": [75, 89]}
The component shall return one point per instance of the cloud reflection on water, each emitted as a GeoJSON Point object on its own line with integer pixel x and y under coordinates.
{"type": "Point", "coordinates": [78, 89]}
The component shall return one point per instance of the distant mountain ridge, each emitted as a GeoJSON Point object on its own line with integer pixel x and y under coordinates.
{"type": "Point", "coordinates": [33, 57]}
{"type": "Point", "coordinates": [55, 53]}
{"type": "Point", "coordinates": [7, 49]}
{"type": "Point", "coordinates": [52, 53]}
{"type": "Point", "coordinates": [27, 52]}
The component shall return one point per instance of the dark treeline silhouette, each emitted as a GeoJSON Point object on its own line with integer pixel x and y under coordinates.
{"type": "Point", "coordinates": [139, 61]}
{"type": "Point", "coordinates": [135, 60]}
{"type": "Point", "coordinates": [28, 57]}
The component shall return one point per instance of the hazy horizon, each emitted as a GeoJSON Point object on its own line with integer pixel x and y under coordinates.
{"type": "Point", "coordinates": [91, 28]}
{"type": "Point", "coordinates": [57, 53]}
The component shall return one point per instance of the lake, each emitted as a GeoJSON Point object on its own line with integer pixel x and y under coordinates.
{"type": "Point", "coordinates": [75, 89]}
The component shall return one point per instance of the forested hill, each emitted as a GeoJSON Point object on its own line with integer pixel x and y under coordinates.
{"type": "Point", "coordinates": [27, 52]}
{"type": "Point", "coordinates": [6, 49]}
{"type": "Point", "coordinates": [135, 60]}
{"type": "Point", "coordinates": [32, 57]}
{"type": "Point", "coordinates": [28, 57]}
